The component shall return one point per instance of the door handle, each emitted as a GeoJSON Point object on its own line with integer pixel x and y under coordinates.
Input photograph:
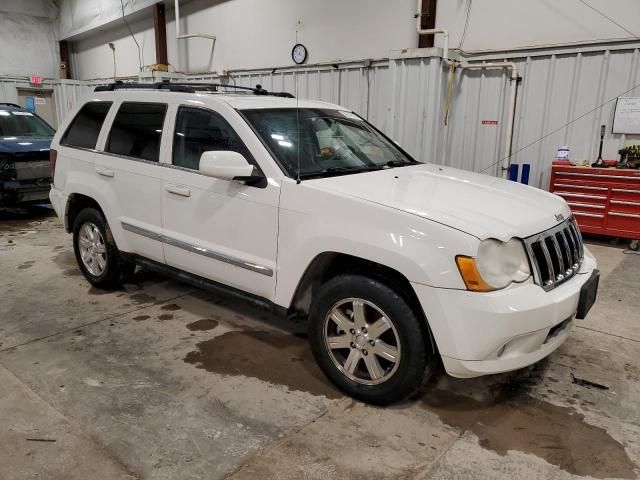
{"type": "Point", "coordinates": [105, 172]}
{"type": "Point", "coordinates": [176, 190]}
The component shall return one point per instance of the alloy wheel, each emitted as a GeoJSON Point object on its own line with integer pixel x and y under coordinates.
{"type": "Point", "coordinates": [93, 250]}
{"type": "Point", "coordinates": [362, 341]}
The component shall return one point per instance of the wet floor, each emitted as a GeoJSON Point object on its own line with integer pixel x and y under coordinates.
{"type": "Point", "coordinates": [505, 417]}
{"type": "Point", "coordinates": [270, 356]}
{"type": "Point", "coordinates": [555, 412]}
{"type": "Point", "coordinates": [516, 421]}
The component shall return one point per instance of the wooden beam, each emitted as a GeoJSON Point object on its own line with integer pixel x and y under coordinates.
{"type": "Point", "coordinates": [65, 60]}
{"type": "Point", "coordinates": [428, 20]}
{"type": "Point", "coordinates": [160, 29]}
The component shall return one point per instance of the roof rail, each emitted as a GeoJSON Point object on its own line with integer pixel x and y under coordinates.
{"type": "Point", "coordinates": [9, 104]}
{"type": "Point", "coordinates": [188, 88]}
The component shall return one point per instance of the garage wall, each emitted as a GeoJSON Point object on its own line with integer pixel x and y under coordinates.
{"type": "Point", "coordinates": [332, 30]}
{"type": "Point", "coordinates": [93, 59]}
{"type": "Point", "coordinates": [502, 25]}
{"type": "Point", "coordinates": [406, 96]}
{"type": "Point", "coordinates": [28, 38]}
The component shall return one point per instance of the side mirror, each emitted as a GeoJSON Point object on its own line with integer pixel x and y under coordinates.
{"type": "Point", "coordinates": [225, 165]}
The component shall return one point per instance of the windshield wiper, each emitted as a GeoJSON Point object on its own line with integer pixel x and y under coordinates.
{"type": "Point", "coordinates": [338, 170]}
{"type": "Point", "coordinates": [397, 163]}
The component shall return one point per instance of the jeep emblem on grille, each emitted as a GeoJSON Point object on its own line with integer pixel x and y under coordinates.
{"type": "Point", "coordinates": [559, 217]}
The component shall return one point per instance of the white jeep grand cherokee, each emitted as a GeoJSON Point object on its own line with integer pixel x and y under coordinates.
{"type": "Point", "coordinates": [307, 209]}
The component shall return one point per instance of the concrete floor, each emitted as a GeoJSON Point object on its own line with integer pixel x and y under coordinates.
{"type": "Point", "coordinates": [161, 381]}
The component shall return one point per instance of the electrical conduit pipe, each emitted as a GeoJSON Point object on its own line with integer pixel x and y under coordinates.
{"type": "Point", "coordinates": [512, 105]}
{"type": "Point", "coordinates": [188, 35]}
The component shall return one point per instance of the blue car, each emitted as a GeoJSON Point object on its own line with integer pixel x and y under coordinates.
{"type": "Point", "coordinates": [25, 173]}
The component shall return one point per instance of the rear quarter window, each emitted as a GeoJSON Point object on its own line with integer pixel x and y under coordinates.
{"type": "Point", "coordinates": [84, 129]}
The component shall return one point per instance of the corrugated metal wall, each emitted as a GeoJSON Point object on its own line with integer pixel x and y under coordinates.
{"type": "Point", "coordinates": [564, 88]}
{"type": "Point", "coordinates": [9, 89]}
{"type": "Point", "coordinates": [406, 98]}
{"type": "Point", "coordinates": [66, 93]}
{"type": "Point", "coordinates": [363, 89]}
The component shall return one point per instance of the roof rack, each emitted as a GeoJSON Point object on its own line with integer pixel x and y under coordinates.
{"type": "Point", "coordinates": [188, 88]}
{"type": "Point", "coordinates": [9, 104]}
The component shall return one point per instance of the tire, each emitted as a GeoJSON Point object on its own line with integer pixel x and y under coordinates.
{"type": "Point", "coordinates": [349, 359]}
{"type": "Point", "coordinates": [106, 269]}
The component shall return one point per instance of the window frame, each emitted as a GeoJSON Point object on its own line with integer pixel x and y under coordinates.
{"type": "Point", "coordinates": [106, 140]}
{"type": "Point", "coordinates": [251, 159]}
{"type": "Point", "coordinates": [63, 138]}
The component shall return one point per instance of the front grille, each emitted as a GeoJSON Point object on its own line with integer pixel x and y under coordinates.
{"type": "Point", "coordinates": [555, 254]}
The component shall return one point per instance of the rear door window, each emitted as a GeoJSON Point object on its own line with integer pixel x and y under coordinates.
{"type": "Point", "coordinates": [137, 130]}
{"type": "Point", "coordinates": [84, 129]}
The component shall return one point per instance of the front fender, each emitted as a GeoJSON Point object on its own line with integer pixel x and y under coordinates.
{"type": "Point", "coordinates": [313, 222]}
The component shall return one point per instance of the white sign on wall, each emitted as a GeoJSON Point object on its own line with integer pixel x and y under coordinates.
{"type": "Point", "coordinates": [627, 116]}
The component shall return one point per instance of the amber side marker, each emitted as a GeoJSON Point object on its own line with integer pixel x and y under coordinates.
{"type": "Point", "coordinates": [471, 276]}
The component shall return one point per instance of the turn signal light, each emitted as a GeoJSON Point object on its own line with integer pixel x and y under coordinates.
{"type": "Point", "coordinates": [471, 276]}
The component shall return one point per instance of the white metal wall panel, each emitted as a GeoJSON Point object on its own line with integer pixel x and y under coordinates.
{"type": "Point", "coordinates": [479, 95]}
{"type": "Point", "coordinates": [67, 93]}
{"type": "Point", "coordinates": [563, 100]}
{"type": "Point", "coordinates": [364, 90]}
{"type": "Point", "coordinates": [9, 90]}
{"type": "Point", "coordinates": [415, 116]}
{"type": "Point", "coordinates": [405, 98]}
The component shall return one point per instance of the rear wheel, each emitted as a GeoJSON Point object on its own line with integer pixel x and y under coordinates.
{"type": "Point", "coordinates": [96, 252]}
{"type": "Point", "coordinates": [368, 340]}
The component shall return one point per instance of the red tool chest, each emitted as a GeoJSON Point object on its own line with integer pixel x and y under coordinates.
{"type": "Point", "coordinates": [604, 200]}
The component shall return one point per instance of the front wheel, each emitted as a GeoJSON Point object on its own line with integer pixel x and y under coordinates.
{"type": "Point", "coordinates": [368, 340]}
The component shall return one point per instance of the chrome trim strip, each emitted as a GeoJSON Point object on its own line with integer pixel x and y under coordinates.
{"type": "Point", "coordinates": [218, 256]}
{"type": "Point", "coordinates": [133, 159]}
{"type": "Point", "coordinates": [625, 177]}
{"type": "Point", "coordinates": [547, 257]}
{"type": "Point", "coordinates": [586, 205]}
{"type": "Point", "coordinates": [82, 149]}
{"type": "Point", "coordinates": [550, 235]}
{"type": "Point", "coordinates": [583, 187]}
{"type": "Point", "coordinates": [568, 238]}
{"type": "Point", "coordinates": [556, 248]}
{"type": "Point", "coordinates": [581, 195]}
{"type": "Point", "coordinates": [236, 262]}
{"type": "Point", "coordinates": [585, 214]}
{"type": "Point", "coordinates": [625, 190]}
{"type": "Point", "coordinates": [623, 202]}
{"type": "Point", "coordinates": [626, 215]}
{"type": "Point", "coordinates": [142, 231]}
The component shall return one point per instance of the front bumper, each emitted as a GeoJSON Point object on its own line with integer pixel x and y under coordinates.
{"type": "Point", "coordinates": [485, 333]}
{"type": "Point", "coordinates": [16, 192]}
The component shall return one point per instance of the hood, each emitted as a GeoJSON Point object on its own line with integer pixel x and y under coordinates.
{"type": "Point", "coordinates": [24, 144]}
{"type": "Point", "coordinates": [478, 204]}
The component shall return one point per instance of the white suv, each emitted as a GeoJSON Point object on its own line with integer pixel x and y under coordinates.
{"type": "Point", "coordinates": [305, 208]}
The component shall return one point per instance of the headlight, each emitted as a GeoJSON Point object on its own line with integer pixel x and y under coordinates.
{"type": "Point", "coordinates": [497, 265]}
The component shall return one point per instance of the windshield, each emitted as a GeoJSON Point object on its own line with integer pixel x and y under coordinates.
{"type": "Point", "coordinates": [15, 123]}
{"type": "Point", "coordinates": [332, 142]}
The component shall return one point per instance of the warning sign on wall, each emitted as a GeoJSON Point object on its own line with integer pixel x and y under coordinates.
{"type": "Point", "coordinates": [41, 101]}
